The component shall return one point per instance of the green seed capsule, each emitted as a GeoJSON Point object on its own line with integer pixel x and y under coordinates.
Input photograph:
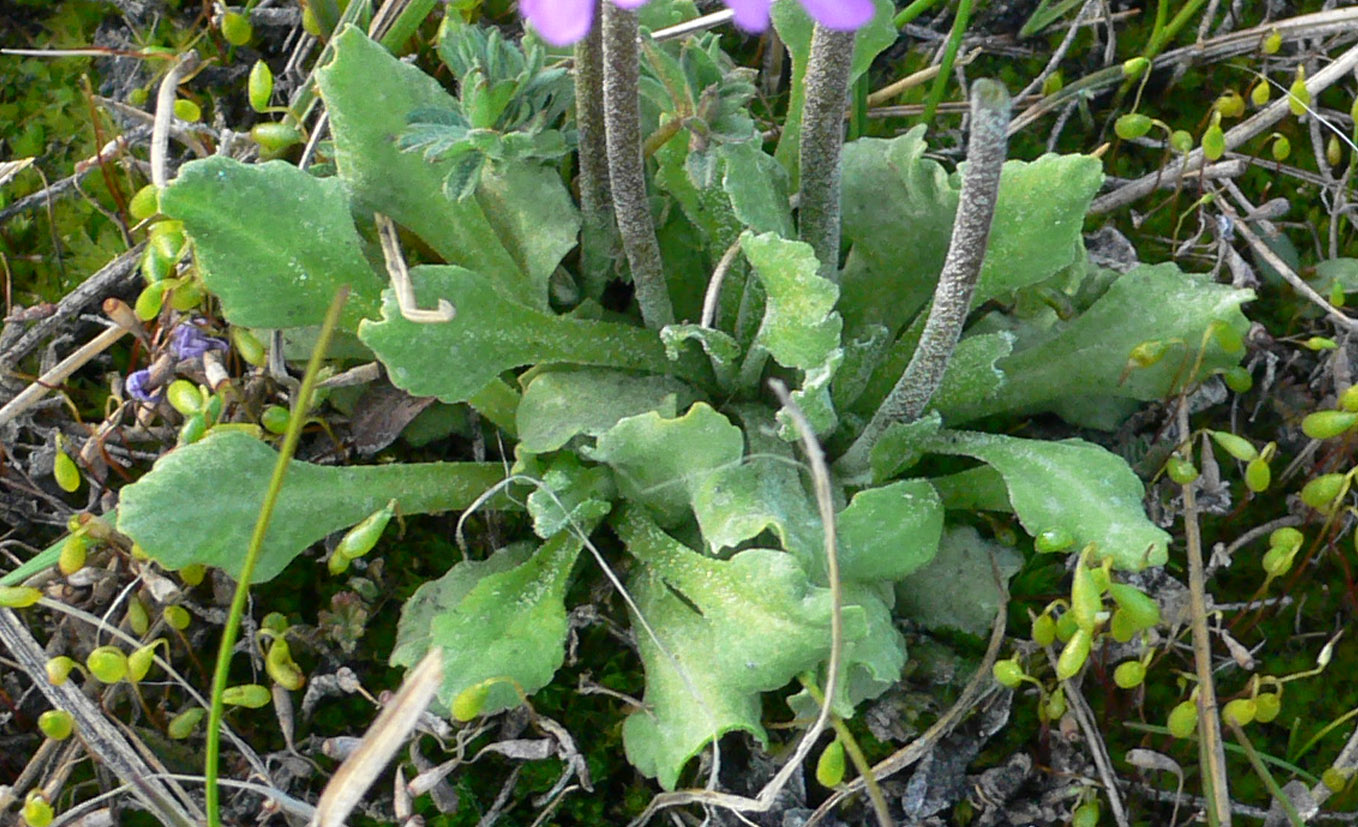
{"type": "Point", "coordinates": [1334, 153]}
{"type": "Point", "coordinates": [338, 564]}
{"type": "Point", "coordinates": [259, 88]}
{"type": "Point", "coordinates": [18, 597]}
{"type": "Point", "coordinates": [1281, 148]}
{"type": "Point", "coordinates": [281, 668]}
{"type": "Point", "coordinates": [1337, 297]}
{"type": "Point", "coordinates": [187, 110]}
{"type": "Point", "coordinates": [1053, 84]}
{"type": "Point", "coordinates": [1230, 339]}
{"type": "Point", "coordinates": [1267, 706]}
{"type": "Point", "coordinates": [360, 539]}
{"type": "Point", "coordinates": [59, 669]}
{"type": "Point", "coordinates": [1181, 141]}
{"type": "Point", "coordinates": [250, 695]}
{"type": "Point", "coordinates": [1328, 424]}
{"type": "Point", "coordinates": [468, 703]}
{"type": "Point", "coordinates": [275, 419]}
{"type": "Point", "coordinates": [194, 428]}
{"type": "Point", "coordinates": [1008, 673]}
{"type": "Point", "coordinates": [108, 664]}
{"type": "Point", "coordinates": [1230, 104]}
{"type": "Point", "coordinates": [167, 239]}
{"type": "Point", "coordinates": [1238, 379]}
{"type": "Point", "coordinates": [193, 574]}
{"type": "Point", "coordinates": [276, 623]}
{"type": "Point", "coordinates": [37, 812]}
{"type": "Point", "coordinates": [65, 471]}
{"type": "Point", "coordinates": [137, 618]}
{"type": "Point", "coordinates": [1213, 143]}
{"type": "Point", "coordinates": [1148, 353]}
{"type": "Point", "coordinates": [1261, 93]}
{"type": "Point", "coordinates": [139, 663]}
{"type": "Point", "coordinates": [1181, 470]}
{"type": "Point", "coordinates": [1044, 630]}
{"type": "Point", "coordinates": [182, 725]}
{"type": "Point", "coordinates": [150, 301]}
{"type": "Point", "coordinates": [236, 28]}
{"type": "Point", "coordinates": [1074, 655]}
{"type": "Point", "coordinates": [138, 96]}
{"type": "Point", "coordinates": [74, 550]}
{"type": "Point", "coordinates": [1237, 446]}
{"type": "Point", "coordinates": [188, 295]}
{"type": "Point", "coordinates": [1240, 710]}
{"type": "Point", "coordinates": [275, 137]}
{"type": "Point", "coordinates": [1055, 706]}
{"type": "Point", "coordinates": [1132, 125]}
{"type": "Point", "coordinates": [1286, 537]}
{"type": "Point", "coordinates": [1272, 42]}
{"type": "Point", "coordinates": [1257, 475]}
{"type": "Point", "coordinates": [1320, 343]}
{"type": "Point", "coordinates": [1052, 540]}
{"type": "Point", "coordinates": [830, 765]}
{"type": "Point", "coordinates": [145, 203]}
{"type": "Point", "coordinates": [1298, 96]}
{"type": "Point", "coordinates": [1277, 561]}
{"type": "Point", "coordinates": [1322, 491]}
{"type": "Point", "coordinates": [176, 617]}
{"type": "Point", "coordinates": [1085, 598]}
{"type": "Point", "coordinates": [185, 397]}
{"type": "Point", "coordinates": [1085, 815]}
{"type": "Point", "coordinates": [249, 347]}
{"type": "Point", "coordinates": [1183, 719]}
{"type": "Point", "coordinates": [1141, 610]}
{"type": "Point", "coordinates": [1066, 626]}
{"type": "Point", "coordinates": [1135, 67]}
{"type": "Point", "coordinates": [56, 724]}
{"type": "Point", "coordinates": [1130, 674]}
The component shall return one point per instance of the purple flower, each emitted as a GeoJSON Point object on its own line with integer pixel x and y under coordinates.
{"type": "Point", "coordinates": [136, 388]}
{"type": "Point", "coordinates": [562, 22]}
{"type": "Point", "coordinates": [188, 342]}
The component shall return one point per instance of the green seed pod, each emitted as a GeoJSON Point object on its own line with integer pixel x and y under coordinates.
{"type": "Point", "coordinates": [1272, 42]}
{"type": "Point", "coordinates": [1183, 719]}
{"type": "Point", "coordinates": [212, 407]}
{"type": "Point", "coordinates": [1085, 598]}
{"type": "Point", "coordinates": [182, 725]}
{"type": "Point", "coordinates": [18, 597]}
{"type": "Point", "coordinates": [281, 667]}
{"type": "Point", "coordinates": [108, 664]}
{"type": "Point", "coordinates": [1240, 710]}
{"type": "Point", "coordinates": [1238, 379]}
{"type": "Point", "coordinates": [1008, 673]}
{"type": "Point", "coordinates": [168, 239]}
{"type": "Point", "coordinates": [338, 564]}
{"type": "Point", "coordinates": [37, 812]}
{"type": "Point", "coordinates": [150, 301]}
{"type": "Point", "coordinates": [1044, 630]}
{"type": "Point", "coordinates": [1237, 446]}
{"type": "Point", "coordinates": [1298, 96]}
{"type": "Point", "coordinates": [1337, 297]}
{"type": "Point", "coordinates": [236, 28]}
{"type": "Point", "coordinates": [1281, 148]}
{"type": "Point", "coordinates": [249, 695]}
{"type": "Point", "coordinates": [275, 419]}
{"type": "Point", "coordinates": [59, 669]}
{"type": "Point", "coordinates": [185, 397]}
{"type": "Point", "coordinates": [1085, 815]}
{"type": "Point", "coordinates": [1277, 561]}
{"type": "Point", "coordinates": [1053, 84]}
{"type": "Point", "coordinates": [1055, 705]}
{"type": "Point", "coordinates": [1120, 627]}
{"type": "Point", "coordinates": [1181, 470]}
{"type": "Point", "coordinates": [1148, 353]}
{"type": "Point", "coordinates": [1213, 143]}
{"type": "Point", "coordinates": [1334, 153]}
{"type": "Point", "coordinates": [249, 347]}
{"type": "Point", "coordinates": [1337, 779]}
{"type": "Point", "coordinates": [1181, 141]}
{"type": "Point", "coordinates": [188, 295]}
{"type": "Point", "coordinates": [1321, 492]}
{"type": "Point", "coordinates": [275, 137]}
{"type": "Point", "coordinates": [1328, 424]}
{"type": "Point", "coordinates": [830, 765]}
{"type": "Point", "coordinates": [137, 618]}
{"type": "Point", "coordinates": [1348, 400]}
{"type": "Point", "coordinates": [145, 203]}
{"type": "Point", "coordinates": [176, 617]}
{"type": "Point", "coordinates": [138, 96]}
{"type": "Point", "coordinates": [1134, 68]}
{"type": "Point", "coordinates": [360, 539]}
{"type": "Point", "coordinates": [1132, 125]}
{"type": "Point", "coordinates": [56, 724]}
{"type": "Point", "coordinates": [187, 110]}
{"type": "Point", "coordinates": [1130, 674]}
{"type": "Point", "coordinates": [1286, 537]}
{"type": "Point", "coordinates": [1260, 94]}
{"type": "Point", "coordinates": [139, 662]}
{"type": "Point", "coordinates": [1257, 475]}
{"type": "Point", "coordinates": [1052, 540]}
{"type": "Point", "coordinates": [74, 550]}
{"type": "Point", "coordinates": [1267, 705]}
{"type": "Point", "coordinates": [1074, 655]}
{"type": "Point", "coordinates": [194, 428]}
{"type": "Point", "coordinates": [275, 623]}
{"type": "Point", "coordinates": [1230, 104]}
{"type": "Point", "coordinates": [1066, 626]}
{"type": "Point", "coordinates": [65, 472]}
{"type": "Point", "coordinates": [1320, 343]}
{"type": "Point", "coordinates": [259, 88]}
{"type": "Point", "coordinates": [193, 574]}
{"type": "Point", "coordinates": [1141, 609]}
{"type": "Point", "coordinates": [468, 703]}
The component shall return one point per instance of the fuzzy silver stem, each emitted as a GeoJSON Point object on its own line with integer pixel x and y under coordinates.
{"type": "Point", "coordinates": [827, 93]}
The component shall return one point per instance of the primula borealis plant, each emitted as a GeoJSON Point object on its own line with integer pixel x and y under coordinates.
{"type": "Point", "coordinates": [643, 433]}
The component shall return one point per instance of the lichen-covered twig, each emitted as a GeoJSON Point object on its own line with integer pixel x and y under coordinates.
{"type": "Point", "coordinates": [827, 92]}
{"type": "Point", "coordinates": [957, 282]}
{"type": "Point", "coordinates": [626, 170]}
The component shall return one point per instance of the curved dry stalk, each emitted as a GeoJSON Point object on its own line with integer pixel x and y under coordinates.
{"type": "Point", "coordinates": [160, 133]}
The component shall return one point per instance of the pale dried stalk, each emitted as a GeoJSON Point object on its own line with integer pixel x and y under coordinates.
{"type": "Point", "coordinates": [160, 133]}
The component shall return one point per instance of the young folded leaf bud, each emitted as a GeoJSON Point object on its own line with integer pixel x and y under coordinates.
{"type": "Point", "coordinates": [1044, 630]}
{"type": "Point", "coordinates": [275, 137]}
{"type": "Point", "coordinates": [248, 346]}
{"type": "Point", "coordinates": [1134, 68]}
{"type": "Point", "coordinates": [1055, 705]}
{"type": "Point", "coordinates": [1273, 41]}
{"type": "Point", "coordinates": [1140, 609]}
{"type": "Point", "coordinates": [1085, 598]}
{"type": "Point", "coordinates": [137, 618]}
{"type": "Point", "coordinates": [1281, 148]}
{"type": "Point", "coordinates": [1260, 94]}
{"type": "Point", "coordinates": [469, 702]}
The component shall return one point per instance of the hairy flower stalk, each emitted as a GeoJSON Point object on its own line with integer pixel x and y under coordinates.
{"type": "Point", "coordinates": [626, 169]}
{"type": "Point", "coordinates": [957, 282]}
{"type": "Point", "coordinates": [827, 93]}
{"type": "Point", "coordinates": [596, 206]}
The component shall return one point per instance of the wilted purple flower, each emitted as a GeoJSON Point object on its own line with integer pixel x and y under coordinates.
{"type": "Point", "coordinates": [562, 22]}
{"type": "Point", "coordinates": [188, 342]}
{"type": "Point", "coordinates": [136, 387]}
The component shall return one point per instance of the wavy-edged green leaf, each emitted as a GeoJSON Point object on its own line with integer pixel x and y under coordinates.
{"type": "Point", "coordinates": [490, 334]}
{"type": "Point", "coordinates": [1071, 485]}
{"type": "Point", "coordinates": [872, 664]}
{"type": "Point", "coordinates": [199, 503]}
{"type": "Point", "coordinates": [901, 445]}
{"type": "Point", "coordinates": [1088, 355]}
{"type": "Point", "coordinates": [757, 187]}
{"type": "Point", "coordinates": [888, 532]}
{"type": "Point", "coordinates": [572, 494]}
{"type": "Point", "coordinates": [957, 590]}
{"type": "Point", "coordinates": [973, 376]}
{"type": "Point", "coordinates": [503, 617]}
{"type": "Point", "coordinates": [368, 95]}
{"type": "Point", "coordinates": [273, 243]}
{"type": "Point", "coordinates": [562, 404]}
{"type": "Point", "coordinates": [659, 461]}
{"type": "Point", "coordinates": [742, 626]}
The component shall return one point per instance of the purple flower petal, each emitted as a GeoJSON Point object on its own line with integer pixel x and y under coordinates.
{"type": "Point", "coordinates": [188, 342]}
{"type": "Point", "coordinates": [841, 15]}
{"type": "Point", "coordinates": [751, 15]}
{"type": "Point", "coordinates": [630, 4]}
{"type": "Point", "coordinates": [136, 387]}
{"type": "Point", "coordinates": [560, 22]}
